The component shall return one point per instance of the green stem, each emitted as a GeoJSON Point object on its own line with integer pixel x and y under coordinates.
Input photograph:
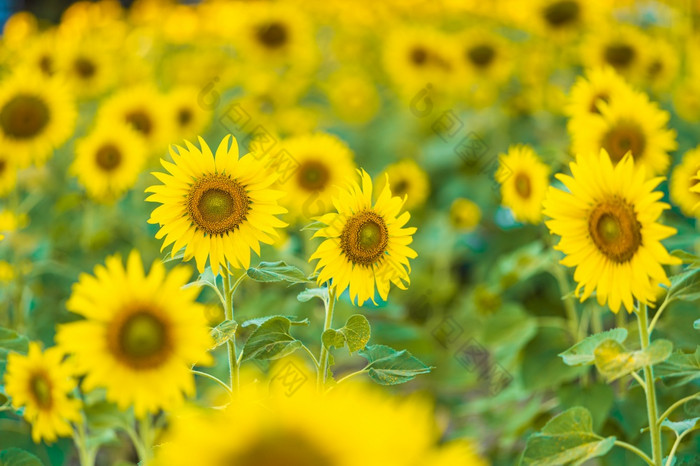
{"type": "Point", "coordinates": [353, 374]}
{"type": "Point", "coordinates": [650, 391]}
{"type": "Point", "coordinates": [635, 450]}
{"type": "Point", "coordinates": [672, 454]}
{"type": "Point", "coordinates": [658, 314]}
{"type": "Point", "coordinates": [146, 438]}
{"type": "Point", "coordinates": [85, 455]}
{"type": "Point", "coordinates": [569, 305]}
{"type": "Point", "coordinates": [323, 358]}
{"type": "Point", "coordinates": [675, 405]}
{"type": "Point", "coordinates": [213, 378]}
{"type": "Point", "coordinates": [233, 363]}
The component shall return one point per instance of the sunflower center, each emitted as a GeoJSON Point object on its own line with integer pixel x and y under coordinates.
{"type": "Point", "coordinates": [184, 116]}
{"type": "Point", "coordinates": [40, 388]}
{"type": "Point", "coordinates": [523, 186]}
{"type": "Point", "coordinates": [626, 136]}
{"type": "Point", "coordinates": [142, 340]}
{"type": "Point", "coordinates": [217, 204]}
{"type": "Point", "coordinates": [562, 13]}
{"type": "Point", "coordinates": [24, 116]}
{"type": "Point", "coordinates": [273, 35]}
{"type": "Point", "coordinates": [3, 166]}
{"type": "Point", "coordinates": [364, 238]}
{"type": "Point", "coordinates": [108, 157]}
{"type": "Point", "coordinates": [593, 108]}
{"type": "Point", "coordinates": [400, 188]}
{"type": "Point", "coordinates": [619, 55]}
{"type": "Point", "coordinates": [313, 176]}
{"type": "Point", "coordinates": [614, 229]}
{"type": "Point", "coordinates": [655, 68]}
{"type": "Point", "coordinates": [481, 55]}
{"type": "Point", "coordinates": [84, 67]}
{"type": "Point", "coordinates": [141, 121]}
{"type": "Point", "coordinates": [419, 56]}
{"type": "Point", "coordinates": [279, 448]}
{"type": "Point", "coordinates": [46, 65]}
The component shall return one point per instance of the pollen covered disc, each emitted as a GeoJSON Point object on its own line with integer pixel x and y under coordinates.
{"type": "Point", "coordinates": [24, 116]}
{"type": "Point", "coordinates": [218, 204]}
{"type": "Point", "coordinates": [364, 238]}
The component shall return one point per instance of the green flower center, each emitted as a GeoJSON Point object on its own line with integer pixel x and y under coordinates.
{"type": "Point", "coordinates": [313, 176]}
{"type": "Point", "coordinates": [40, 388]}
{"type": "Point", "coordinates": [523, 185]}
{"type": "Point", "coordinates": [364, 238]}
{"type": "Point", "coordinates": [218, 204]}
{"type": "Point", "coordinates": [142, 340]}
{"type": "Point", "coordinates": [614, 229]}
{"type": "Point", "coordinates": [24, 116]}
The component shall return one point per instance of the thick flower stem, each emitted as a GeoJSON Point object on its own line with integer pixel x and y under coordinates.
{"type": "Point", "coordinates": [323, 358]}
{"type": "Point", "coordinates": [650, 391]}
{"type": "Point", "coordinates": [86, 456]}
{"type": "Point", "coordinates": [234, 368]}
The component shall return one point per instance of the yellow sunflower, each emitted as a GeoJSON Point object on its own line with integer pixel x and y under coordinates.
{"type": "Point", "coordinates": [36, 117]}
{"type": "Point", "coordinates": [662, 65]}
{"type": "Point", "coordinates": [343, 427]}
{"type": "Point", "coordinates": [631, 123]}
{"type": "Point", "coordinates": [108, 161]}
{"type": "Point", "coordinates": [407, 179]}
{"type": "Point", "coordinates": [683, 180]}
{"type": "Point", "coordinates": [141, 334]}
{"type": "Point", "coordinates": [465, 215]}
{"type": "Point", "coordinates": [365, 244]}
{"type": "Point", "coordinates": [563, 19]}
{"type": "Point", "coordinates": [323, 162]}
{"type": "Point", "coordinates": [218, 207]}
{"type": "Point", "coordinates": [608, 224]}
{"type": "Point", "coordinates": [622, 46]}
{"type": "Point", "coordinates": [188, 116]}
{"type": "Point", "coordinates": [86, 66]}
{"type": "Point", "coordinates": [524, 179]}
{"type": "Point", "coordinates": [142, 108]}
{"type": "Point", "coordinates": [601, 84]}
{"type": "Point", "coordinates": [8, 175]}
{"type": "Point", "coordinates": [40, 56]}
{"type": "Point", "coordinates": [41, 384]}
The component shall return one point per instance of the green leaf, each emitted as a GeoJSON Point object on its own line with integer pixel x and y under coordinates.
{"type": "Point", "coordinates": [309, 294]}
{"type": "Point", "coordinates": [613, 361]}
{"type": "Point", "coordinates": [390, 367]}
{"type": "Point", "coordinates": [11, 341]}
{"type": "Point", "coordinates": [680, 368]}
{"type": "Point", "coordinates": [258, 321]}
{"type": "Point", "coordinates": [206, 278]}
{"type": "Point", "coordinates": [276, 272]}
{"type": "Point", "coordinates": [685, 286]}
{"type": "Point", "coordinates": [105, 415]}
{"type": "Point", "coordinates": [271, 340]}
{"type": "Point", "coordinates": [18, 457]}
{"type": "Point", "coordinates": [357, 332]}
{"type": "Point", "coordinates": [332, 338]}
{"type": "Point", "coordinates": [169, 257]}
{"type": "Point", "coordinates": [224, 332]}
{"type": "Point", "coordinates": [567, 438]}
{"type": "Point", "coordinates": [692, 260]}
{"type": "Point", "coordinates": [681, 426]}
{"type": "Point", "coordinates": [581, 354]}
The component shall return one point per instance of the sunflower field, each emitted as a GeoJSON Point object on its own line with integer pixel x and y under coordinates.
{"type": "Point", "coordinates": [343, 233]}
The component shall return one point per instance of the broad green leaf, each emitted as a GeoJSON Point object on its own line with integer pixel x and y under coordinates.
{"type": "Point", "coordinates": [18, 457]}
{"type": "Point", "coordinates": [169, 257]}
{"type": "Point", "coordinates": [356, 331]}
{"type": "Point", "coordinates": [685, 286]}
{"type": "Point", "coordinates": [680, 368]}
{"type": "Point", "coordinates": [582, 352]}
{"type": "Point", "coordinates": [224, 332]}
{"type": "Point", "coordinates": [681, 426]}
{"type": "Point", "coordinates": [613, 361]}
{"type": "Point", "coordinates": [271, 340]}
{"type": "Point", "coordinates": [276, 272]}
{"type": "Point", "coordinates": [310, 293]}
{"type": "Point", "coordinates": [390, 367]}
{"type": "Point", "coordinates": [567, 438]}
{"type": "Point", "coordinates": [258, 321]}
{"type": "Point", "coordinates": [333, 338]}
{"type": "Point", "coordinates": [692, 260]}
{"type": "Point", "coordinates": [598, 398]}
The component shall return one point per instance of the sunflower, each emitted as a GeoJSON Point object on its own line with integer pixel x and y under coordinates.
{"type": "Point", "coordinates": [465, 215]}
{"type": "Point", "coordinates": [524, 179]}
{"type": "Point", "coordinates": [141, 335]}
{"type": "Point", "coordinates": [365, 244]}
{"type": "Point", "coordinates": [217, 206]}
{"type": "Point", "coordinates": [406, 179]}
{"type": "Point", "coordinates": [564, 19]}
{"type": "Point", "coordinates": [143, 109]}
{"type": "Point", "coordinates": [108, 161]}
{"type": "Point", "coordinates": [188, 117]}
{"type": "Point", "coordinates": [40, 56]}
{"type": "Point", "coordinates": [628, 123]}
{"type": "Point", "coordinates": [601, 84]}
{"type": "Point", "coordinates": [343, 427]}
{"type": "Point", "coordinates": [353, 96]}
{"type": "Point", "coordinates": [86, 66]}
{"type": "Point", "coordinates": [8, 175]}
{"type": "Point", "coordinates": [624, 47]}
{"type": "Point", "coordinates": [41, 384]}
{"type": "Point", "coordinates": [683, 180]}
{"type": "Point", "coordinates": [36, 117]}
{"type": "Point", "coordinates": [323, 162]}
{"type": "Point", "coordinates": [662, 65]}
{"type": "Point", "coordinates": [609, 230]}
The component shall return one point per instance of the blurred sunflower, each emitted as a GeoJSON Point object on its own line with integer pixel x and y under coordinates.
{"type": "Point", "coordinates": [41, 384]}
{"type": "Point", "coordinates": [608, 224]}
{"type": "Point", "coordinates": [40, 56]}
{"type": "Point", "coordinates": [8, 175]}
{"type": "Point", "coordinates": [524, 179]}
{"type": "Point", "coordinates": [324, 163]}
{"type": "Point", "coordinates": [343, 427]}
{"type": "Point", "coordinates": [217, 206]}
{"type": "Point", "coordinates": [108, 161]}
{"type": "Point", "coordinates": [406, 179]}
{"type": "Point", "coordinates": [683, 180]}
{"type": "Point", "coordinates": [365, 244]}
{"type": "Point", "coordinates": [662, 65]}
{"type": "Point", "coordinates": [36, 117]}
{"type": "Point", "coordinates": [465, 215]}
{"type": "Point", "coordinates": [353, 96]}
{"type": "Point", "coordinates": [624, 47]}
{"type": "Point", "coordinates": [564, 19]}
{"type": "Point", "coordinates": [189, 118]}
{"type": "Point", "coordinates": [142, 108]}
{"type": "Point", "coordinates": [629, 123]}
{"type": "Point", "coordinates": [601, 84]}
{"type": "Point", "coordinates": [87, 67]}
{"type": "Point", "coordinates": [141, 335]}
